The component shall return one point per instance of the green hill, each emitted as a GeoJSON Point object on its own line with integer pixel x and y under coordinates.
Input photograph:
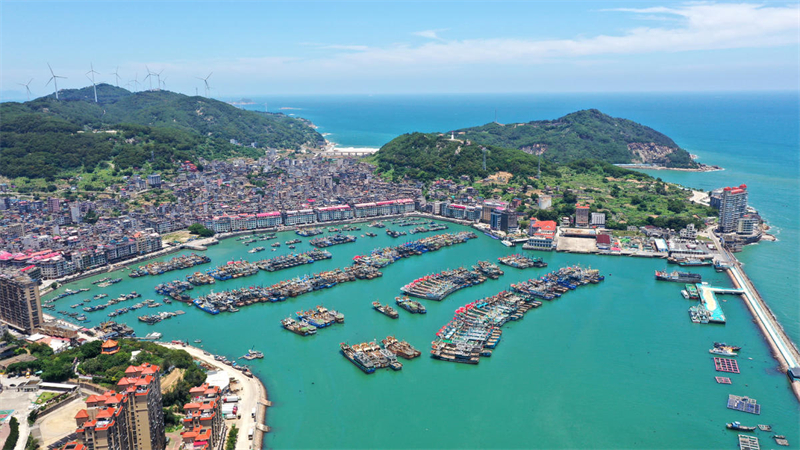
{"type": "Point", "coordinates": [587, 134]}
{"type": "Point", "coordinates": [43, 137]}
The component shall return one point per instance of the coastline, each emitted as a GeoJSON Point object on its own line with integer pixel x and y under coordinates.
{"type": "Point", "coordinates": [253, 394]}
{"type": "Point", "coordinates": [676, 169]}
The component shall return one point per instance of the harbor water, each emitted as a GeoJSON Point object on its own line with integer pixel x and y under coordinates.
{"type": "Point", "coordinates": [613, 365]}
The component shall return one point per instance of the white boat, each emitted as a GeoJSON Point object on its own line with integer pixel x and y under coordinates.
{"type": "Point", "coordinates": [685, 294]}
{"type": "Point", "coordinates": [154, 336]}
{"type": "Point", "coordinates": [722, 351]}
{"type": "Point", "coordinates": [507, 243]}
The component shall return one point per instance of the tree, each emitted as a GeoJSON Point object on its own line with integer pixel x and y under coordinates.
{"type": "Point", "coordinates": [91, 217]}
{"type": "Point", "coordinates": [230, 444]}
{"type": "Point", "coordinates": [13, 436]}
{"type": "Point", "coordinates": [200, 230]}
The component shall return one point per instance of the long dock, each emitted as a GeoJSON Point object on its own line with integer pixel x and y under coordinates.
{"type": "Point", "coordinates": [782, 347]}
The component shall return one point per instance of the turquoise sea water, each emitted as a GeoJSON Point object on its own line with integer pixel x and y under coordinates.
{"type": "Point", "coordinates": [614, 365]}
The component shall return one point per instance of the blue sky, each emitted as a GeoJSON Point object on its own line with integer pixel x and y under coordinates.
{"type": "Point", "coordinates": [258, 48]}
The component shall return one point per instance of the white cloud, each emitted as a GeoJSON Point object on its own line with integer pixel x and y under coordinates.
{"type": "Point", "coordinates": [430, 34]}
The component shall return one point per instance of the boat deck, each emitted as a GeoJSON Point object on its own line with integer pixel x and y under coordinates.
{"type": "Point", "coordinates": [726, 365]}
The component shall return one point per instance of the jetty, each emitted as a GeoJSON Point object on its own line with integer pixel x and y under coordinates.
{"type": "Point", "coordinates": [440, 285]}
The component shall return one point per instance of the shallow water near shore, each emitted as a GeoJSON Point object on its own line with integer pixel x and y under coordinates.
{"type": "Point", "coordinates": [613, 365]}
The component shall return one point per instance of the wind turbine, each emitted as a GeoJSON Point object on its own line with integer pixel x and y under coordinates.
{"type": "Point", "coordinates": [92, 79]}
{"type": "Point", "coordinates": [164, 82]}
{"type": "Point", "coordinates": [54, 78]}
{"type": "Point", "coordinates": [136, 81]}
{"type": "Point", "coordinates": [27, 88]}
{"type": "Point", "coordinates": [205, 80]}
{"type": "Point", "coordinates": [158, 77]}
{"type": "Point", "coordinates": [149, 75]}
{"type": "Point", "coordinates": [116, 74]}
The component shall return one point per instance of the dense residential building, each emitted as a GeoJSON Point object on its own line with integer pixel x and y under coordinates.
{"type": "Point", "coordinates": [20, 305]}
{"type": "Point", "coordinates": [733, 206]}
{"type": "Point", "coordinates": [204, 426]}
{"type": "Point", "coordinates": [598, 219]}
{"type": "Point", "coordinates": [130, 419]}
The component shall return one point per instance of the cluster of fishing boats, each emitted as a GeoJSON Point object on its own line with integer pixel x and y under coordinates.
{"type": "Point", "coordinates": [691, 292]}
{"type": "Point", "coordinates": [385, 310]}
{"type": "Point", "coordinates": [174, 288]}
{"type": "Point", "coordinates": [155, 318]}
{"type": "Point", "coordinates": [308, 232]}
{"type": "Point", "coordinates": [377, 224]}
{"type": "Point", "coordinates": [553, 284]}
{"type": "Point", "coordinates": [440, 285]}
{"type": "Point", "coordinates": [176, 263]}
{"type": "Point", "coordinates": [678, 277]}
{"type": "Point", "coordinates": [67, 293]}
{"type": "Point", "coordinates": [320, 316]}
{"type": "Point", "coordinates": [214, 303]}
{"type": "Point", "coordinates": [112, 301]}
{"type": "Point", "coordinates": [328, 241]}
{"type": "Point", "coordinates": [233, 269]}
{"type": "Point", "coordinates": [252, 354]}
{"type": "Point", "coordinates": [293, 260]}
{"type": "Point", "coordinates": [200, 279]}
{"type": "Point", "coordinates": [369, 356]}
{"type": "Point", "coordinates": [723, 349]}
{"type": "Point", "coordinates": [382, 257]}
{"type": "Point", "coordinates": [395, 234]}
{"type": "Point", "coordinates": [489, 269]}
{"type": "Point", "coordinates": [302, 327]}
{"type": "Point", "coordinates": [106, 282]}
{"type": "Point", "coordinates": [475, 329]}
{"type": "Point", "coordinates": [412, 306]}
{"type": "Point", "coordinates": [690, 262]}
{"type": "Point", "coordinates": [428, 228]}
{"type": "Point", "coordinates": [521, 261]}
{"type": "Point", "coordinates": [247, 240]}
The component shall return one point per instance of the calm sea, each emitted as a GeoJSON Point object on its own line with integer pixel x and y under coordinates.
{"type": "Point", "coordinates": [614, 365]}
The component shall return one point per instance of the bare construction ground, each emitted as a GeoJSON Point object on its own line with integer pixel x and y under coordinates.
{"type": "Point", "coordinates": [576, 245]}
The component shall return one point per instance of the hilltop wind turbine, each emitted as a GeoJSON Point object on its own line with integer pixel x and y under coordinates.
{"type": "Point", "coordinates": [27, 88]}
{"type": "Point", "coordinates": [54, 78]}
{"type": "Point", "coordinates": [92, 79]}
{"type": "Point", "coordinates": [149, 75]}
{"type": "Point", "coordinates": [205, 80]}
{"type": "Point", "coordinates": [164, 82]}
{"type": "Point", "coordinates": [158, 77]}
{"type": "Point", "coordinates": [116, 74]}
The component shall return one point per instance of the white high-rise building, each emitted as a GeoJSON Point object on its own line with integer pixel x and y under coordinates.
{"type": "Point", "coordinates": [733, 206]}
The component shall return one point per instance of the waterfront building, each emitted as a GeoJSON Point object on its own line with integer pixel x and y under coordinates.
{"type": "Point", "coordinates": [336, 212]}
{"type": "Point", "coordinates": [748, 224]}
{"type": "Point", "coordinates": [369, 209]}
{"type": "Point", "coordinates": [598, 219]}
{"type": "Point", "coordinates": [733, 206]}
{"type": "Point", "coordinates": [299, 217]}
{"type": "Point", "coordinates": [20, 305]}
{"type": "Point", "coordinates": [456, 211]}
{"type": "Point", "coordinates": [473, 213]}
{"type": "Point", "coordinates": [542, 235]}
{"type": "Point", "coordinates": [269, 219]}
{"type": "Point", "coordinates": [581, 216]}
{"type": "Point", "coordinates": [495, 218]}
{"type": "Point", "coordinates": [488, 207]}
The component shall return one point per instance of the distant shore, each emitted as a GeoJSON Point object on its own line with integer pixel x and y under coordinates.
{"type": "Point", "coordinates": [702, 168]}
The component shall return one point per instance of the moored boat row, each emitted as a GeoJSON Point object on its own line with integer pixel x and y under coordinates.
{"type": "Point", "coordinates": [176, 263]}
{"type": "Point", "coordinates": [521, 261]}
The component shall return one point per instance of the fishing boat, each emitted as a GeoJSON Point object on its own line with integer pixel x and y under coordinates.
{"type": "Point", "coordinates": [738, 426]}
{"type": "Point", "coordinates": [385, 309]}
{"type": "Point", "coordinates": [722, 351]}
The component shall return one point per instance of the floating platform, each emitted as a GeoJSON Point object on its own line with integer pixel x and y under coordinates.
{"type": "Point", "coordinates": [744, 404]}
{"type": "Point", "coordinates": [723, 380]}
{"type": "Point", "coordinates": [726, 365]}
{"type": "Point", "coordinates": [748, 442]}
{"type": "Point", "coordinates": [709, 300]}
{"type": "Point", "coordinates": [765, 427]}
{"type": "Point", "coordinates": [781, 441]}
